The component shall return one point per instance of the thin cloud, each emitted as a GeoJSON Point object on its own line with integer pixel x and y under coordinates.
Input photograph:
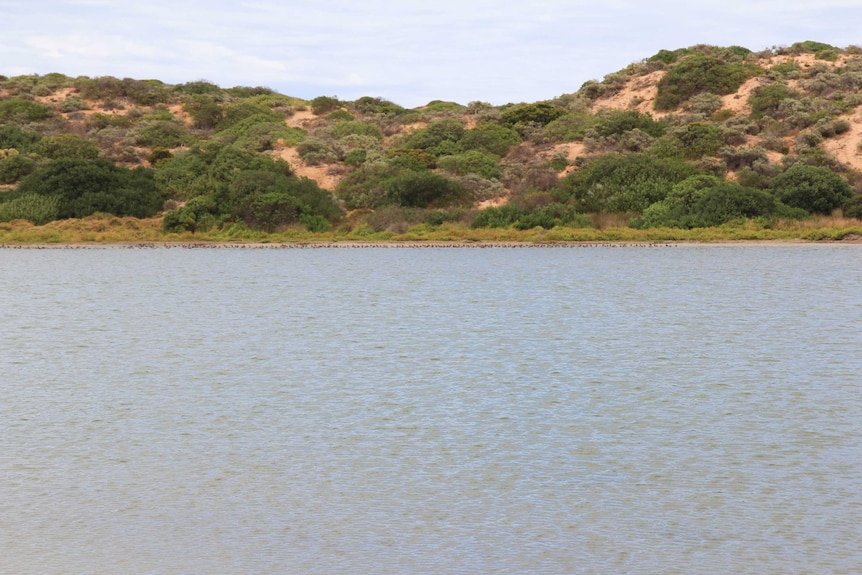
{"type": "Point", "coordinates": [409, 52]}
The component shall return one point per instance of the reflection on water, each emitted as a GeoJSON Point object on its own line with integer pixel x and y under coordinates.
{"type": "Point", "coordinates": [601, 410]}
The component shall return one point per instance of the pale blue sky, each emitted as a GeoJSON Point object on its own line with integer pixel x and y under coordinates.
{"type": "Point", "coordinates": [409, 52]}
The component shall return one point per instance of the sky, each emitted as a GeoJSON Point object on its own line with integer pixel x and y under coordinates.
{"type": "Point", "coordinates": [409, 52]}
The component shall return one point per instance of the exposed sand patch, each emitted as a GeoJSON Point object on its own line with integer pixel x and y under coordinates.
{"type": "Point", "coordinates": [572, 150]}
{"type": "Point", "coordinates": [738, 101]}
{"type": "Point", "coordinates": [177, 111]}
{"type": "Point", "coordinates": [638, 94]}
{"type": "Point", "coordinates": [844, 147]}
{"type": "Point", "coordinates": [325, 175]}
{"type": "Point", "coordinates": [492, 203]}
{"type": "Point", "coordinates": [803, 60]}
{"type": "Point", "coordinates": [301, 119]}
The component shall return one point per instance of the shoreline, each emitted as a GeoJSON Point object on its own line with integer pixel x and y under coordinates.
{"type": "Point", "coordinates": [419, 244]}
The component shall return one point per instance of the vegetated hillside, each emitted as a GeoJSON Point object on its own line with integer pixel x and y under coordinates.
{"type": "Point", "coordinates": [686, 138]}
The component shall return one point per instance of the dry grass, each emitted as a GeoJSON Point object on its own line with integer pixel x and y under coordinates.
{"type": "Point", "coordinates": [104, 229]}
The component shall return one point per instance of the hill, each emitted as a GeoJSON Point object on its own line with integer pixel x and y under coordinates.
{"type": "Point", "coordinates": [689, 138]}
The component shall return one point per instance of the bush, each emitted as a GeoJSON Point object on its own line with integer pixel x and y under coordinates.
{"type": "Point", "coordinates": [440, 138]}
{"type": "Point", "coordinates": [738, 158]}
{"type": "Point", "coordinates": [540, 113]}
{"type": "Point", "coordinates": [314, 151]}
{"type": "Point", "coordinates": [424, 190]}
{"type": "Point", "coordinates": [490, 137]}
{"type": "Point", "coordinates": [814, 189]}
{"type": "Point", "coordinates": [236, 113]}
{"type": "Point", "coordinates": [342, 129]}
{"type": "Point", "coordinates": [700, 139]}
{"type": "Point", "coordinates": [33, 207]}
{"type": "Point", "coordinates": [698, 73]}
{"type": "Point", "coordinates": [618, 122]}
{"type": "Point", "coordinates": [140, 92]}
{"type": "Point", "coordinates": [85, 187]}
{"type": "Point", "coordinates": [471, 162]}
{"type": "Point", "coordinates": [72, 104]}
{"type": "Point", "coordinates": [21, 140]}
{"type": "Point", "coordinates": [372, 105]}
{"type": "Point", "coordinates": [13, 167]}
{"type": "Point", "coordinates": [766, 100]}
{"type": "Point", "coordinates": [568, 128]}
{"type": "Point", "coordinates": [704, 201]}
{"type": "Point", "coordinates": [20, 111]}
{"type": "Point", "coordinates": [161, 134]}
{"type": "Point", "coordinates": [500, 217]}
{"type": "Point", "coordinates": [623, 183]}
{"type": "Point", "coordinates": [324, 104]}
{"type": "Point", "coordinates": [205, 112]}
{"type": "Point", "coordinates": [68, 146]}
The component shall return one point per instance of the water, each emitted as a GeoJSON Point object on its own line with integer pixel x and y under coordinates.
{"type": "Point", "coordinates": [386, 411]}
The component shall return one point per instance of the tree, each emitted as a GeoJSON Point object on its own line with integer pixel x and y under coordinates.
{"type": "Point", "coordinates": [814, 189]}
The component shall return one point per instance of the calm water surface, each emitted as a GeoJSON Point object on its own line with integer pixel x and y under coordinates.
{"type": "Point", "coordinates": [691, 410]}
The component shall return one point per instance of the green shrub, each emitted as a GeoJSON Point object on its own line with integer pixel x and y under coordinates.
{"type": "Point", "coordinates": [85, 187]}
{"type": "Point", "coordinates": [315, 151]}
{"type": "Point", "coordinates": [21, 140]}
{"type": "Point", "coordinates": [852, 208]}
{"type": "Point", "coordinates": [668, 56]}
{"type": "Point", "coordinates": [371, 105]}
{"type": "Point", "coordinates": [815, 189]}
{"type": "Point", "coordinates": [698, 73]}
{"type": "Point", "coordinates": [315, 223]}
{"type": "Point", "coordinates": [471, 162]}
{"type": "Point", "coordinates": [36, 208]}
{"type": "Point", "coordinates": [786, 70]}
{"type": "Point", "coordinates": [705, 103]}
{"type": "Point", "coordinates": [623, 183]}
{"type": "Point", "coordinates": [255, 136]}
{"type": "Point", "coordinates": [13, 167]}
{"type": "Point", "coordinates": [235, 113]}
{"type": "Point", "coordinates": [738, 158]}
{"type": "Point", "coordinates": [72, 104]}
{"type": "Point", "coordinates": [766, 100]}
{"type": "Point", "coordinates": [700, 139]}
{"type": "Point", "coordinates": [540, 113]}
{"type": "Point", "coordinates": [356, 157]}
{"type": "Point", "coordinates": [107, 88]}
{"type": "Point", "coordinates": [618, 122]}
{"type": "Point", "coordinates": [425, 190]}
{"type": "Point", "coordinates": [324, 104]}
{"type": "Point", "coordinates": [705, 201]}
{"type": "Point", "coordinates": [20, 111]}
{"type": "Point", "coordinates": [196, 215]}
{"type": "Point", "coordinates": [161, 134]}
{"type": "Point", "coordinates": [571, 127]}
{"type": "Point", "coordinates": [499, 217]}
{"type": "Point", "coordinates": [198, 87]}
{"type": "Point", "coordinates": [491, 137]}
{"type": "Point", "coordinates": [441, 107]}
{"type": "Point", "coordinates": [440, 138]}
{"type": "Point", "coordinates": [343, 129]}
{"type": "Point", "coordinates": [481, 189]}
{"type": "Point", "coordinates": [340, 116]}
{"type": "Point", "coordinates": [205, 111]}
{"type": "Point", "coordinates": [68, 146]}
